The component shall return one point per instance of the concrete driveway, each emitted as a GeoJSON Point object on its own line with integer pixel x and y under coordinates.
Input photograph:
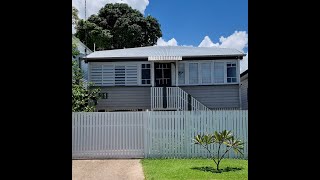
{"type": "Point", "coordinates": [127, 169]}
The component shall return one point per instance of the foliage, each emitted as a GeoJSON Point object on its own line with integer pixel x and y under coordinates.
{"type": "Point", "coordinates": [75, 16]}
{"type": "Point", "coordinates": [83, 98]}
{"type": "Point", "coordinates": [75, 51]}
{"type": "Point", "coordinates": [222, 138]}
{"type": "Point", "coordinates": [118, 26]}
{"type": "Point", "coordinates": [95, 34]}
{"type": "Point", "coordinates": [194, 169]}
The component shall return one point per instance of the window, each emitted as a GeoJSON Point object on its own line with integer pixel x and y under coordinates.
{"type": "Point", "coordinates": [219, 72]}
{"type": "Point", "coordinates": [120, 75]}
{"type": "Point", "coordinates": [231, 73]}
{"type": "Point", "coordinates": [181, 73]}
{"type": "Point", "coordinates": [145, 74]}
{"type": "Point", "coordinates": [206, 73]}
{"type": "Point", "coordinates": [193, 73]}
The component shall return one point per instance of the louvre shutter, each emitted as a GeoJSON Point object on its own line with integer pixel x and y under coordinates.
{"type": "Point", "coordinates": [108, 75]}
{"type": "Point", "coordinates": [131, 75]}
{"type": "Point", "coordinates": [96, 74]}
{"type": "Point", "coordinates": [120, 75]}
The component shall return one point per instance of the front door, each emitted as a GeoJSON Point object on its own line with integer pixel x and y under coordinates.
{"type": "Point", "coordinates": [162, 74]}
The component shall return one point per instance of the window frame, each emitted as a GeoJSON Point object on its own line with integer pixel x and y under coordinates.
{"type": "Point", "coordinates": [113, 64]}
{"type": "Point", "coordinates": [226, 72]}
{"type": "Point", "coordinates": [140, 79]}
{"type": "Point", "coordinates": [200, 62]}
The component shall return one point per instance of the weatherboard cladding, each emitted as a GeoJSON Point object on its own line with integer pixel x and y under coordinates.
{"type": "Point", "coordinates": [133, 98]}
{"type": "Point", "coordinates": [164, 51]}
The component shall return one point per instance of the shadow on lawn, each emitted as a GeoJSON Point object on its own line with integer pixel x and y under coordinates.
{"type": "Point", "coordinates": [211, 169]}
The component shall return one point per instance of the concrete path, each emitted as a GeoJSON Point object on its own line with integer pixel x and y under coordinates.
{"type": "Point", "coordinates": [127, 169]}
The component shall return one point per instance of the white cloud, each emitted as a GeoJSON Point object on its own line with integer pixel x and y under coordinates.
{"type": "Point", "coordinates": [171, 42]}
{"type": "Point", "coordinates": [206, 42]}
{"type": "Point", "coordinates": [93, 6]}
{"type": "Point", "coordinates": [238, 40]}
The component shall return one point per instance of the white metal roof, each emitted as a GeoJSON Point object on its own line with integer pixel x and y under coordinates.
{"type": "Point", "coordinates": [151, 52]}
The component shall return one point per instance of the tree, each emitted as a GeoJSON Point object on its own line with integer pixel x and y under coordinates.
{"type": "Point", "coordinates": [83, 98]}
{"type": "Point", "coordinates": [118, 26]}
{"type": "Point", "coordinates": [222, 138]}
{"type": "Point", "coordinates": [75, 17]}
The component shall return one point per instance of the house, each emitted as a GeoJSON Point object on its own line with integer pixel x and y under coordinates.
{"type": "Point", "coordinates": [83, 50]}
{"type": "Point", "coordinates": [166, 78]}
{"type": "Point", "coordinates": [244, 89]}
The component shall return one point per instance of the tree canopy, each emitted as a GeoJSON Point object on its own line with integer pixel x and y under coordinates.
{"type": "Point", "coordinates": [118, 26]}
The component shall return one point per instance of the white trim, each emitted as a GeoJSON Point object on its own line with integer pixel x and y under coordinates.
{"type": "Point", "coordinates": [140, 79]}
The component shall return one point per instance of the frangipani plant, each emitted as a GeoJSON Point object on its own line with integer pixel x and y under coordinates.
{"type": "Point", "coordinates": [221, 138]}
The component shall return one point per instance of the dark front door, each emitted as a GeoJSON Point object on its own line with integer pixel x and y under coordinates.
{"type": "Point", "coordinates": [162, 74]}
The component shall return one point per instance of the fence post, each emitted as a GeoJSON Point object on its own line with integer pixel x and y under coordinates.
{"type": "Point", "coordinates": [187, 132]}
{"type": "Point", "coordinates": [146, 132]}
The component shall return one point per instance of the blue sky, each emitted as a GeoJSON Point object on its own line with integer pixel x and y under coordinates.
{"type": "Point", "coordinates": [190, 21]}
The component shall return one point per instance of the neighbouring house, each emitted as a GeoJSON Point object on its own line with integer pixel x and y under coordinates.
{"type": "Point", "coordinates": [83, 51]}
{"type": "Point", "coordinates": [166, 78]}
{"type": "Point", "coordinates": [244, 89]}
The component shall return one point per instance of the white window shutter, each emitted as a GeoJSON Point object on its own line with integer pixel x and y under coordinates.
{"type": "Point", "coordinates": [108, 75]}
{"type": "Point", "coordinates": [96, 75]}
{"type": "Point", "coordinates": [131, 75]}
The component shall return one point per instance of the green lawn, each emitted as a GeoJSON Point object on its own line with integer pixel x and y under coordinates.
{"type": "Point", "coordinates": [194, 169]}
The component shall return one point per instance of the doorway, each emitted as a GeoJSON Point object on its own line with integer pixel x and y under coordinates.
{"type": "Point", "coordinates": [162, 74]}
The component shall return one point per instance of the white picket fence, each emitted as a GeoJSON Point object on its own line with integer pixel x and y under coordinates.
{"type": "Point", "coordinates": [154, 134]}
{"type": "Point", "coordinates": [170, 133]}
{"type": "Point", "coordinates": [108, 135]}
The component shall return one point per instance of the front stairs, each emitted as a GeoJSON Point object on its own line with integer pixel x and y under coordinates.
{"type": "Point", "coordinates": [174, 98]}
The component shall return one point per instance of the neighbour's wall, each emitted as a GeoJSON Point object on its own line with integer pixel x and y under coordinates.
{"type": "Point", "coordinates": [244, 89]}
{"type": "Point", "coordinates": [218, 96]}
{"type": "Point", "coordinates": [125, 98]}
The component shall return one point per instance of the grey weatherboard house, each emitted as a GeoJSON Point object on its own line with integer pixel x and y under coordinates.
{"type": "Point", "coordinates": [166, 78]}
